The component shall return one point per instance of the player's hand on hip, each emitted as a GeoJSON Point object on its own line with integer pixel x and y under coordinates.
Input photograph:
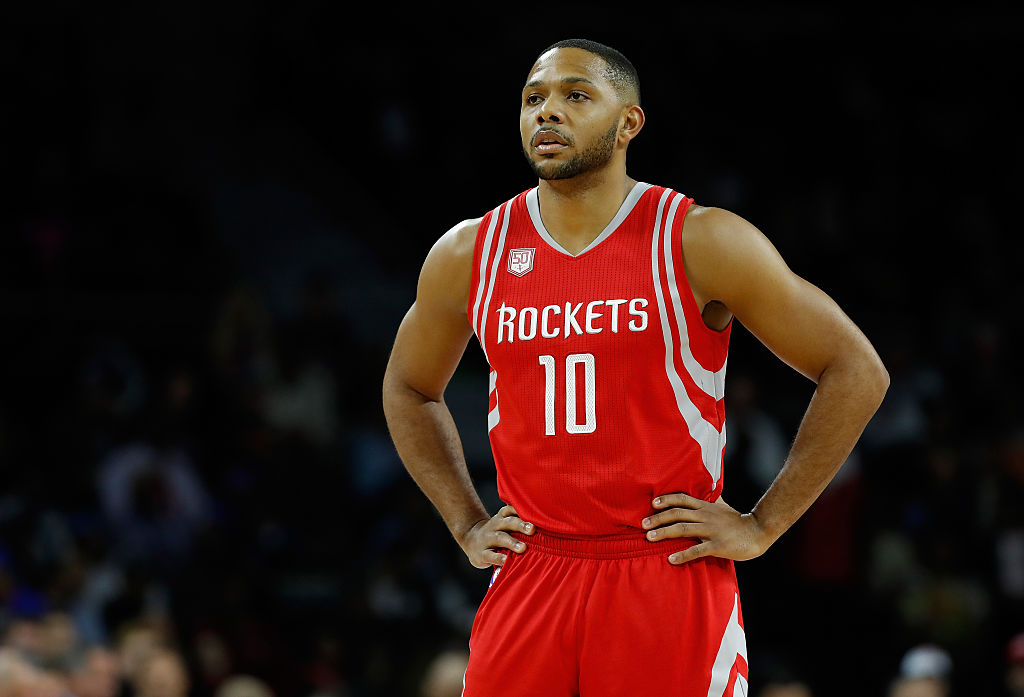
{"type": "Point", "coordinates": [488, 535]}
{"type": "Point", "coordinates": [723, 531]}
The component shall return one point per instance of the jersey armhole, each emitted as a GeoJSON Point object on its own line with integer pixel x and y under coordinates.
{"type": "Point", "coordinates": [683, 281]}
{"type": "Point", "coordinates": [487, 248]}
{"type": "Point", "coordinates": [474, 283]}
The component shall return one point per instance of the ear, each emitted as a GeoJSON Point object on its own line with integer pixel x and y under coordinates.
{"type": "Point", "coordinates": [630, 123]}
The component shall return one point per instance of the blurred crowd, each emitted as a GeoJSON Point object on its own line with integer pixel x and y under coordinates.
{"type": "Point", "coordinates": [239, 518]}
{"type": "Point", "coordinates": [207, 252]}
{"type": "Point", "coordinates": [233, 526]}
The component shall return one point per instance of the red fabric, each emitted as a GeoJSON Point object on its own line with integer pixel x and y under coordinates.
{"type": "Point", "coordinates": [600, 482]}
{"type": "Point", "coordinates": [605, 618]}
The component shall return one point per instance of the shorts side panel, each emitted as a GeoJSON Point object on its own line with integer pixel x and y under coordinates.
{"type": "Point", "coordinates": [650, 627]}
{"type": "Point", "coordinates": [524, 635]}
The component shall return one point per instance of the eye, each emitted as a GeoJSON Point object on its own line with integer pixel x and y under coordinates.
{"type": "Point", "coordinates": [533, 99]}
{"type": "Point", "coordinates": [577, 96]}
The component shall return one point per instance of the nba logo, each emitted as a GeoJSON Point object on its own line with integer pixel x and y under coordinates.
{"type": "Point", "coordinates": [520, 261]}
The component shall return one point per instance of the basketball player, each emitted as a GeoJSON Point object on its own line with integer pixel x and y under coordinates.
{"type": "Point", "coordinates": [604, 306]}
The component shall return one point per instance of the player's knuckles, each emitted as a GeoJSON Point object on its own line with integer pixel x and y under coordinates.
{"type": "Point", "coordinates": [687, 555]}
{"type": "Point", "coordinates": [678, 499]}
{"type": "Point", "coordinates": [663, 518]}
{"type": "Point", "coordinates": [505, 540]}
{"type": "Point", "coordinates": [495, 559]}
{"type": "Point", "coordinates": [679, 530]}
{"type": "Point", "coordinates": [481, 559]}
{"type": "Point", "coordinates": [679, 558]}
{"type": "Point", "coordinates": [666, 500]}
{"type": "Point", "coordinates": [664, 532]}
{"type": "Point", "coordinates": [514, 523]}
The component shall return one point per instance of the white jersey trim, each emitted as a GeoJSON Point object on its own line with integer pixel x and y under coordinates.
{"type": "Point", "coordinates": [706, 434]}
{"type": "Point", "coordinates": [493, 417]}
{"type": "Point", "coordinates": [711, 382]}
{"type": "Point", "coordinates": [499, 252]}
{"type": "Point", "coordinates": [734, 644]}
{"type": "Point", "coordinates": [484, 254]}
{"type": "Point", "coordinates": [533, 206]}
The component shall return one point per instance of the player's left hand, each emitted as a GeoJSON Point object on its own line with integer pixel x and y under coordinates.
{"type": "Point", "coordinates": [723, 531]}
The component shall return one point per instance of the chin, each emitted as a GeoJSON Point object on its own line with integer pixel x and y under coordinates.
{"type": "Point", "coordinates": [554, 175]}
{"type": "Point", "coordinates": [555, 167]}
{"type": "Point", "coordinates": [548, 169]}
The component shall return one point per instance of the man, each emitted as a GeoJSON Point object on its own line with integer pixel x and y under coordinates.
{"type": "Point", "coordinates": [95, 673]}
{"type": "Point", "coordinates": [603, 306]}
{"type": "Point", "coordinates": [162, 674]}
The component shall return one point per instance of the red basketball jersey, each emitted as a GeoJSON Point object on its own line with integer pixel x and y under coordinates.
{"type": "Point", "coordinates": [606, 387]}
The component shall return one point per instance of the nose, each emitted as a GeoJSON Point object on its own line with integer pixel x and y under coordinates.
{"type": "Point", "coordinates": [548, 113]}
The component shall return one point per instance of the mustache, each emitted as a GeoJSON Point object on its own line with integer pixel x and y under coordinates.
{"type": "Point", "coordinates": [548, 129]}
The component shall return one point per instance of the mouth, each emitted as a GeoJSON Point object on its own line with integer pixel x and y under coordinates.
{"type": "Point", "coordinates": [548, 141]}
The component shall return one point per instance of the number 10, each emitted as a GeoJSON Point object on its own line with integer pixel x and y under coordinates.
{"type": "Point", "coordinates": [572, 425]}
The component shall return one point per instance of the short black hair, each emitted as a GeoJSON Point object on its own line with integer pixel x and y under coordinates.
{"type": "Point", "coordinates": [620, 72]}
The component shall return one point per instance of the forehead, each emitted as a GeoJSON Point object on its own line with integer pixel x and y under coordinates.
{"type": "Point", "coordinates": [557, 63]}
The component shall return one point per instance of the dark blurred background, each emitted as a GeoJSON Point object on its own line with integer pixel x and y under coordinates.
{"type": "Point", "coordinates": [213, 218]}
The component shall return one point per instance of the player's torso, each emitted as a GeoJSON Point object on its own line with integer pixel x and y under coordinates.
{"type": "Point", "coordinates": [604, 392]}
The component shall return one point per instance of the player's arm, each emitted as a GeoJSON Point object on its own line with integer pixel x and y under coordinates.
{"type": "Point", "coordinates": [729, 262]}
{"type": "Point", "coordinates": [430, 342]}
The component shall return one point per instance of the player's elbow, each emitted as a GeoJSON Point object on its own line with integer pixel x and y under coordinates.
{"type": "Point", "coordinates": [875, 377]}
{"type": "Point", "coordinates": [392, 392]}
{"type": "Point", "coordinates": [859, 373]}
{"type": "Point", "coordinates": [395, 401]}
{"type": "Point", "coordinates": [882, 379]}
{"type": "Point", "coordinates": [398, 392]}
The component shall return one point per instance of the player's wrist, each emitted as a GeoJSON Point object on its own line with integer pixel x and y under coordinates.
{"type": "Point", "coordinates": [462, 531]}
{"type": "Point", "coordinates": [765, 534]}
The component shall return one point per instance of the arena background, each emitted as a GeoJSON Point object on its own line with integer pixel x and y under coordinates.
{"type": "Point", "coordinates": [212, 223]}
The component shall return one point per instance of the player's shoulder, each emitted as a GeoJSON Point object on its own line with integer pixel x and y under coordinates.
{"type": "Point", "coordinates": [464, 234]}
{"type": "Point", "coordinates": [456, 245]}
{"type": "Point", "coordinates": [710, 229]}
{"type": "Point", "coordinates": [452, 253]}
{"type": "Point", "coordinates": [447, 270]}
{"type": "Point", "coordinates": [712, 220]}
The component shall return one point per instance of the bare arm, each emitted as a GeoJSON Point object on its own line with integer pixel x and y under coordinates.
{"type": "Point", "coordinates": [731, 264]}
{"type": "Point", "coordinates": [429, 345]}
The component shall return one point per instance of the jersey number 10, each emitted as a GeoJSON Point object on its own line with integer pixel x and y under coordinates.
{"type": "Point", "coordinates": [572, 424]}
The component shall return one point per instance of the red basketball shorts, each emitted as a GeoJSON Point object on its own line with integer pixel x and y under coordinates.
{"type": "Point", "coordinates": [608, 617]}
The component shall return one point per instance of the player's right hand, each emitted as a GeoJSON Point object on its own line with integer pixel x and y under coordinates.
{"type": "Point", "coordinates": [488, 535]}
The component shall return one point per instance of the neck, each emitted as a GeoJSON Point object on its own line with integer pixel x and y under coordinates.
{"type": "Point", "coordinates": [576, 210]}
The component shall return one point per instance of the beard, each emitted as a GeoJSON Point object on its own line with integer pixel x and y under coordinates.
{"type": "Point", "coordinates": [597, 155]}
